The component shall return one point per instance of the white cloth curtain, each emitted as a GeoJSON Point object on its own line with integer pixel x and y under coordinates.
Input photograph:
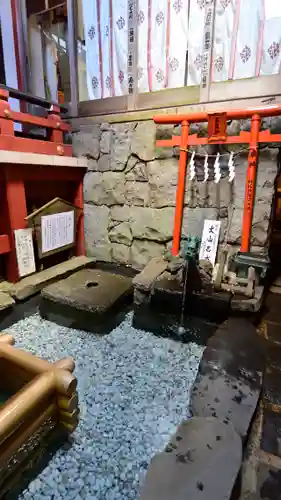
{"type": "Point", "coordinates": [106, 42]}
{"type": "Point", "coordinates": [247, 43]}
{"type": "Point", "coordinates": [247, 39]}
{"type": "Point", "coordinates": [162, 43]}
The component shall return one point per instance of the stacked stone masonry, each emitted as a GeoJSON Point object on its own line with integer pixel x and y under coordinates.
{"type": "Point", "coordinates": [130, 192]}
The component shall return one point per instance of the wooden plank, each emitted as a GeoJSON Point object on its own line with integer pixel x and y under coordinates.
{"type": "Point", "coordinates": [16, 116]}
{"type": "Point", "coordinates": [23, 144]}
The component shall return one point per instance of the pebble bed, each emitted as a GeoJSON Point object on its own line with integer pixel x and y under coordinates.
{"type": "Point", "coordinates": [133, 391]}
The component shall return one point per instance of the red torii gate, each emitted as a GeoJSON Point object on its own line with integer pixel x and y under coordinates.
{"type": "Point", "coordinates": [217, 134]}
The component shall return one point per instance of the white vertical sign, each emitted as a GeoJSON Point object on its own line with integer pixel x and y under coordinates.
{"type": "Point", "coordinates": [210, 240]}
{"type": "Point", "coordinates": [25, 251]}
{"type": "Point", "coordinates": [209, 22]}
{"type": "Point", "coordinates": [57, 230]}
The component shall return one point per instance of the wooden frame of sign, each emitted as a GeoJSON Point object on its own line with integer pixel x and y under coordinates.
{"type": "Point", "coordinates": [54, 207]}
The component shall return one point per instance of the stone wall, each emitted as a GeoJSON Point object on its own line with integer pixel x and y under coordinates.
{"type": "Point", "coordinates": [130, 192]}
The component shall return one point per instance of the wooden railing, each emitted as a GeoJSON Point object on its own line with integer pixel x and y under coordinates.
{"type": "Point", "coordinates": [52, 141]}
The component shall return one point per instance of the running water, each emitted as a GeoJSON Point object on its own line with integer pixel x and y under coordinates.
{"type": "Point", "coordinates": [181, 328]}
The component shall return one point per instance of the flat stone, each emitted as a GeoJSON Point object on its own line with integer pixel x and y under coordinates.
{"type": "Point", "coordinates": [121, 233]}
{"type": "Point", "coordinates": [268, 482]}
{"type": "Point", "coordinates": [6, 301]}
{"type": "Point", "coordinates": [273, 332]}
{"type": "Point", "coordinates": [142, 251]}
{"type": "Point", "coordinates": [143, 141]}
{"type": "Point", "coordinates": [87, 143]}
{"type": "Point", "coordinates": [33, 284]}
{"type": "Point", "coordinates": [271, 433]}
{"type": "Point", "coordinates": [272, 309]}
{"type": "Point", "coordinates": [106, 188]}
{"type": "Point", "coordinates": [137, 193]}
{"type": "Point", "coordinates": [121, 145]}
{"type": "Point", "coordinates": [189, 467]}
{"type": "Point", "coordinates": [103, 163]}
{"type": "Point", "coordinates": [105, 141]}
{"type": "Point", "coordinates": [85, 298]}
{"type": "Point", "coordinates": [96, 221]}
{"type": "Point", "coordinates": [272, 388]}
{"type": "Point", "coordinates": [136, 171]}
{"type": "Point", "coordinates": [152, 224]}
{"type": "Point", "coordinates": [162, 178]}
{"type": "Point", "coordinates": [273, 352]}
{"type": "Point", "coordinates": [168, 295]}
{"type": "Point", "coordinates": [229, 378]}
{"type": "Point", "coordinates": [120, 214]}
{"type": "Point", "coordinates": [150, 273]}
{"type": "Point", "coordinates": [120, 253]}
{"type": "Point", "coordinates": [249, 305]}
{"type": "Point", "coordinates": [193, 220]}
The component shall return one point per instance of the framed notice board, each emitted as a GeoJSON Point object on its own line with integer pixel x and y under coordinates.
{"type": "Point", "coordinates": [54, 226]}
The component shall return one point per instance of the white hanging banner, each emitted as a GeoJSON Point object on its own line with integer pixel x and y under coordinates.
{"type": "Point", "coordinates": [207, 50]}
{"type": "Point", "coordinates": [57, 230]}
{"type": "Point", "coordinates": [24, 251]}
{"type": "Point", "coordinates": [210, 240]}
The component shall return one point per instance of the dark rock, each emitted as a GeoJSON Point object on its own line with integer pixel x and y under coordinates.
{"type": "Point", "coordinates": [189, 468]}
{"type": "Point", "coordinates": [272, 387]}
{"type": "Point", "coordinates": [229, 378]}
{"type": "Point", "coordinates": [85, 298]}
{"type": "Point", "coordinates": [271, 432]}
{"type": "Point", "coordinates": [268, 482]}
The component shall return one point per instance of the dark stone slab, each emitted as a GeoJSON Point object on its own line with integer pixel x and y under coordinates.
{"type": "Point", "coordinates": [202, 461]}
{"type": "Point", "coordinates": [268, 482]}
{"type": "Point", "coordinates": [273, 355]}
{"type": "Point", "coordinates": [272, 387]}
{"type": "Point", "coordinates": [252, 305]}
{"type": "Point", "coordinates": [229, 378]}
{"type": "Point", "coordinates": [168, 325]}
{"type": "Point", "coordinates": [86, 300]}
{"type": "Point", "coordinates": [272, 309]}
{"type": "Point", "coordinates": [168, 295]}
{"type": "Point", "coordinates": [271, 433]}
{"type": "Point", "coordinates": [273, 332]}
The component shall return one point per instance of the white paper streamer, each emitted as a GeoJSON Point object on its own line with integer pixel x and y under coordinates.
{"type": "Point", "coordinates": [206, 169]}
{"type": "Point", "coordinates": [192, 167]}
{"type": "Point", "coordinates": [231, 168]}
{"type": "Point", "coordinates": [217, 169]}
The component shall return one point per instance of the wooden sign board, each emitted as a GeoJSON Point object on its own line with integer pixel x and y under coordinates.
{"type": "Point", "coordinates": [55, 226]}
{"type": "Point", "coordinates": [210, 240]}
{"type": "Point", "coordinates": [217, 127]}
{"type": "Point", "coordinates": [24, 252]}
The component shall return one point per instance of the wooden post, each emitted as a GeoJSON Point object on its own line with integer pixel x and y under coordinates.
{"type": "Point", "coordinates": [17, 211]}
{"type": "Point", "coordinates": [6, 124]}
{"type": "Point", "coordinates": [56, 135]}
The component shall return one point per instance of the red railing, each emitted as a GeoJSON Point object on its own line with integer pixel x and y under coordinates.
{"type": "Point", "coordinates": [53, 141]}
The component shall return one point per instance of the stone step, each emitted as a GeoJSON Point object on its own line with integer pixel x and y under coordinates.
{"type": "Point", "coordinates": [273, 308]}
{"type": "Point", "coordinates": [273, 333]}
{"type": "Point", "coordinates": [33, 284]}
{"type": "Point", "coordinates": [229, 379]}
{"type": "Point", "coordinates": [272, 389]}
{"type": "Point", "coordinates": [277, 282]}
{"type": "Point", "coordinates": [268, 482]}
{"type": "Point", "coordinates": [273, 355]}
{"type": "Point", "coordinates": [271, 433]}
{"type": "Point", "coordinates": [275, 289]}
{"type": "Point", "coordinates": [85, 298]}
{"type": "Point", "coordinates": [188, 468]}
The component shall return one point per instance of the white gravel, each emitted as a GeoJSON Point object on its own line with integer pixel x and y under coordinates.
{"type": "Point", "coordinates": [133, 390]}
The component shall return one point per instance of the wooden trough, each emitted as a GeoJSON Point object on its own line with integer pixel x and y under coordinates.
{"type": "Point", "coordinates": [40, 406]}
